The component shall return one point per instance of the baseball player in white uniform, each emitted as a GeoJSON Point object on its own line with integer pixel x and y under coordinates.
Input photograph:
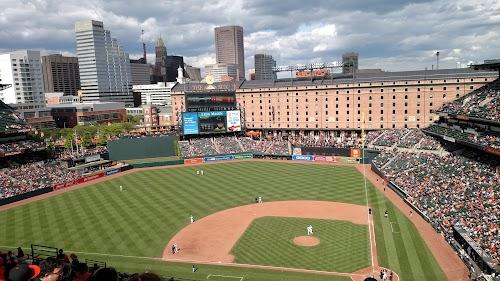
{"type": "Point", "coordinates": [310, 230]}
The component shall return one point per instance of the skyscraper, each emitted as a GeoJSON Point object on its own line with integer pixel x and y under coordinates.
{"type": "Point", "coordinates": [229, 48]}
{"type": "Point", "coordinates": [22, 70]}
{"type": "Point", "coordinates": [60, 74]}
{"type": "Point", "coordinates": [264, 67]}
{"type": "Point", "coordinates": [349, 63]}
{"type": "Point", "coordinates": [104, 66]}
{"type": "Point", "coordinates": [160, 70]}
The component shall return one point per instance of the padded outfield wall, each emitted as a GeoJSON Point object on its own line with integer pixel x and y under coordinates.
{"type": "Point", "coordinates": [140, 148]}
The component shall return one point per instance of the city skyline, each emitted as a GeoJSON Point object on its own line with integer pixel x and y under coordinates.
{"type": "Point", "coordinates": [390, 35]}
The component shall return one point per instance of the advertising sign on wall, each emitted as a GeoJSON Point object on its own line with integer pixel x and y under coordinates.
{"type": "Point", "coordinates": [303, 157]}
{"type": "Point", "coordinates": [190, 123]}
{"type": "Point", "coordinates": [355, 152]}
{"type": "Point", "coordinates": [319, 158]}
{"type": "Point", "coordinates": [233, 121]}
{"type": "Point", "coordinates": [193, 161]}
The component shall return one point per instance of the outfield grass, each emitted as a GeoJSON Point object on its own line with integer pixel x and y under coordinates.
{"type": "Point", "coordinates": [157, 203]}
{"type": "Point", "coordinates": [344, 246]}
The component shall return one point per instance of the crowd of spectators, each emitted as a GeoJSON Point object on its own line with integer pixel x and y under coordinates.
{"type": "Point", "coordinates": [254, 146]}
{"type": "Point", "coordinates": [402, 138]}
{"type": "Point", "coordinates": [482, 103]}
{"type": "Point", "coordinates": [198, 147]}
{"type": "Point", "coordinates": [20, 147]}
{"type": "Point", "coordinates": [391, 137]}
{"type": "Point", "coordinates": [470, 135]}
{"type": "Point", "coordinates": [59, 267]}
{"type": "Point", "coordinates": [428, 143]}
{"type": "Point", "coordinates": [342, 140]}
{"type": "Point", "coordinates": [451, 190]}
{"type": "Point", "coordinates": [19, 179]}
{"type": "Point", "coordinates": [83, 152]}
{"type": "Point", "coordinates": [230, 145]}
{"type": "Point", "coordinates": [272, 144]}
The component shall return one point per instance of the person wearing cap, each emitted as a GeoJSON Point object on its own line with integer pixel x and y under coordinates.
{"type": "Point", "coordinates": [24, 272]}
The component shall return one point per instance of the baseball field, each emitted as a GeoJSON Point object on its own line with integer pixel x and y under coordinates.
{"type": "Point", "coordinates": [132, 230]}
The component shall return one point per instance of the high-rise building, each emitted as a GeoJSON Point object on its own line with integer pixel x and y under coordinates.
{"type": "Point", "coordinates": [160, 69]}
{"type": "Point", "coordinates": [60, 74]}
{"type": "Point", "coordinates": [104, 66]}
{"type": "Point", "coordinates": [22, 70]}
{"type": "Point", "coordinates": [173, 63]}
{"type": "Point", "coordinates": [140, 72]}
{"type": "Point", "coordinates": [193, 73]}
{"type": "Point", "coordinates": [222, 72]}
{"type": "Point", "coordinates": [349, 63]}
{"type": "Point", "coordinates": [264, 67]}
{"type": "Point", "coordinates": [229, 48]}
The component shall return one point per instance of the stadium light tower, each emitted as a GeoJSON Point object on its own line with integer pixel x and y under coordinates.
{"type": "Point", "coordinates": [437, 60]}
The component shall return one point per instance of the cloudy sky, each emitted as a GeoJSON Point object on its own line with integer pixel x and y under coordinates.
{"type": "Point", "coordinates": [388, 34]}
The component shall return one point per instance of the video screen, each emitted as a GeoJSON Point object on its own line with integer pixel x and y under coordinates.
{"type": "Point", "coordinates": [212, 122]}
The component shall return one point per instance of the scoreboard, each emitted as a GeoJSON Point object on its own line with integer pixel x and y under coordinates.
{"type": "Point", "coordinates": [211, 122]}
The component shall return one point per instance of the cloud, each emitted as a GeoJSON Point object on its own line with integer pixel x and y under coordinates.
{"type": "Point", "coordinates": [390, 34]}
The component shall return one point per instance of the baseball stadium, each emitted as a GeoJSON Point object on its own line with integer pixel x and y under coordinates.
{"type": "Point", "coordinates": [389, 176]}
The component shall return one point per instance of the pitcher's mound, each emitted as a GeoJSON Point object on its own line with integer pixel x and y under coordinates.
{"type": "Point", "coordinates": [306, 241]}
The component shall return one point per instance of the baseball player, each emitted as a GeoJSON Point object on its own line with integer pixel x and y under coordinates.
{"type": "Point", "coordinates": [309, 230]}
{"type": "Point", "coordinates": [202, 172]}
{"type": "Point", "coordinates": [197, 172]}
{"type": "Point", "coordinates": [192, 219]}
{"type": "Point", "coordinates": [260, 199]}
{"type": "Point", "coordinates": [121, 188]}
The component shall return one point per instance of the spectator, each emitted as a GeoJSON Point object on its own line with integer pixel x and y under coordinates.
{"type": "Point", "coordinates": [105, 274]}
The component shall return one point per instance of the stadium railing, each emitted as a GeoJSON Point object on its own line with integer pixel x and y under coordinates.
{"type": "Point", "coordinates": [93, 263]}
{"type": "Point", "coordinates": [40, 252]}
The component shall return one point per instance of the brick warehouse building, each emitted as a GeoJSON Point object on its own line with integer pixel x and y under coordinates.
{"type": "Point", "coordinates": [387, 99]}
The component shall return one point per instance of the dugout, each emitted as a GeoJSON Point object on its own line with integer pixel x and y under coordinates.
{"type": "Point", "coordinates": [142, 147]}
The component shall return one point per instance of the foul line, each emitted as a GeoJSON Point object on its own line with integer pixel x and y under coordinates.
{"type": "Point", "coordinates": [392, 229]}
{"type": "Point", "coordinates": [225, 276]}
{"type": "Point", "coordinates": [368, 214]}
{"type": "Point", "coordinates": [253, 266]}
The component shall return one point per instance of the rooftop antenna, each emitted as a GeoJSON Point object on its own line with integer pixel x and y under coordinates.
{"type": "Point", "coordinates": [143, 47]}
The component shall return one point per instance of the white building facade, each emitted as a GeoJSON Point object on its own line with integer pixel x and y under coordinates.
{"type": "Point", "coordinates": [105, 73]}
{"type": "Point", "coordinates": [222, 72]}
{"type": "Point", "coordinates": [157, 94]}
{"type": "Point", "coordinates": [23, 71]}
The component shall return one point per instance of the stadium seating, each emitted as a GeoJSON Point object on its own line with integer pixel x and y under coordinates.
{"type": "Point", "coordinates": [24, 178]}
{"type": "Point", "coordinates": [19, 147]}
{"type": "Point", "coordinates": [480, 139]}
{"type": "Point", "coordinates": [482, 103]}
{"type": "Point", "coordinates": [413, 139]}
{"type": "Point", "coordinates": [450, 190]}
{"type": "Point", "coordinates": [70, 268]}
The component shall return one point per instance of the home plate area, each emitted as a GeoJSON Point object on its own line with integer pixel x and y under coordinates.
{"type": "Point", "coordinates": [275, 235]}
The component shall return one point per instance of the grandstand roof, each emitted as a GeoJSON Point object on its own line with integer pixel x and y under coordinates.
{"type": "Point", "coordinates": [4, 86]}
{"type": "Point", "coordinates": [5, 108]}
{"type": "Point", "coordinates": [369, 77]}
{"type": "Point", "coordinates": [336, 79]}
{"type": "Point", "coordinates": [488, 65]}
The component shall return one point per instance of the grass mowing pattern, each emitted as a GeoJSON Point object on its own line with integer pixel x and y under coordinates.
{"type": "Point", "coordinates": [157, 203]}
{"type": "Point", "coordinates": [404, 252]}
{"type": "Point", "coordinates": [344, 246]}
